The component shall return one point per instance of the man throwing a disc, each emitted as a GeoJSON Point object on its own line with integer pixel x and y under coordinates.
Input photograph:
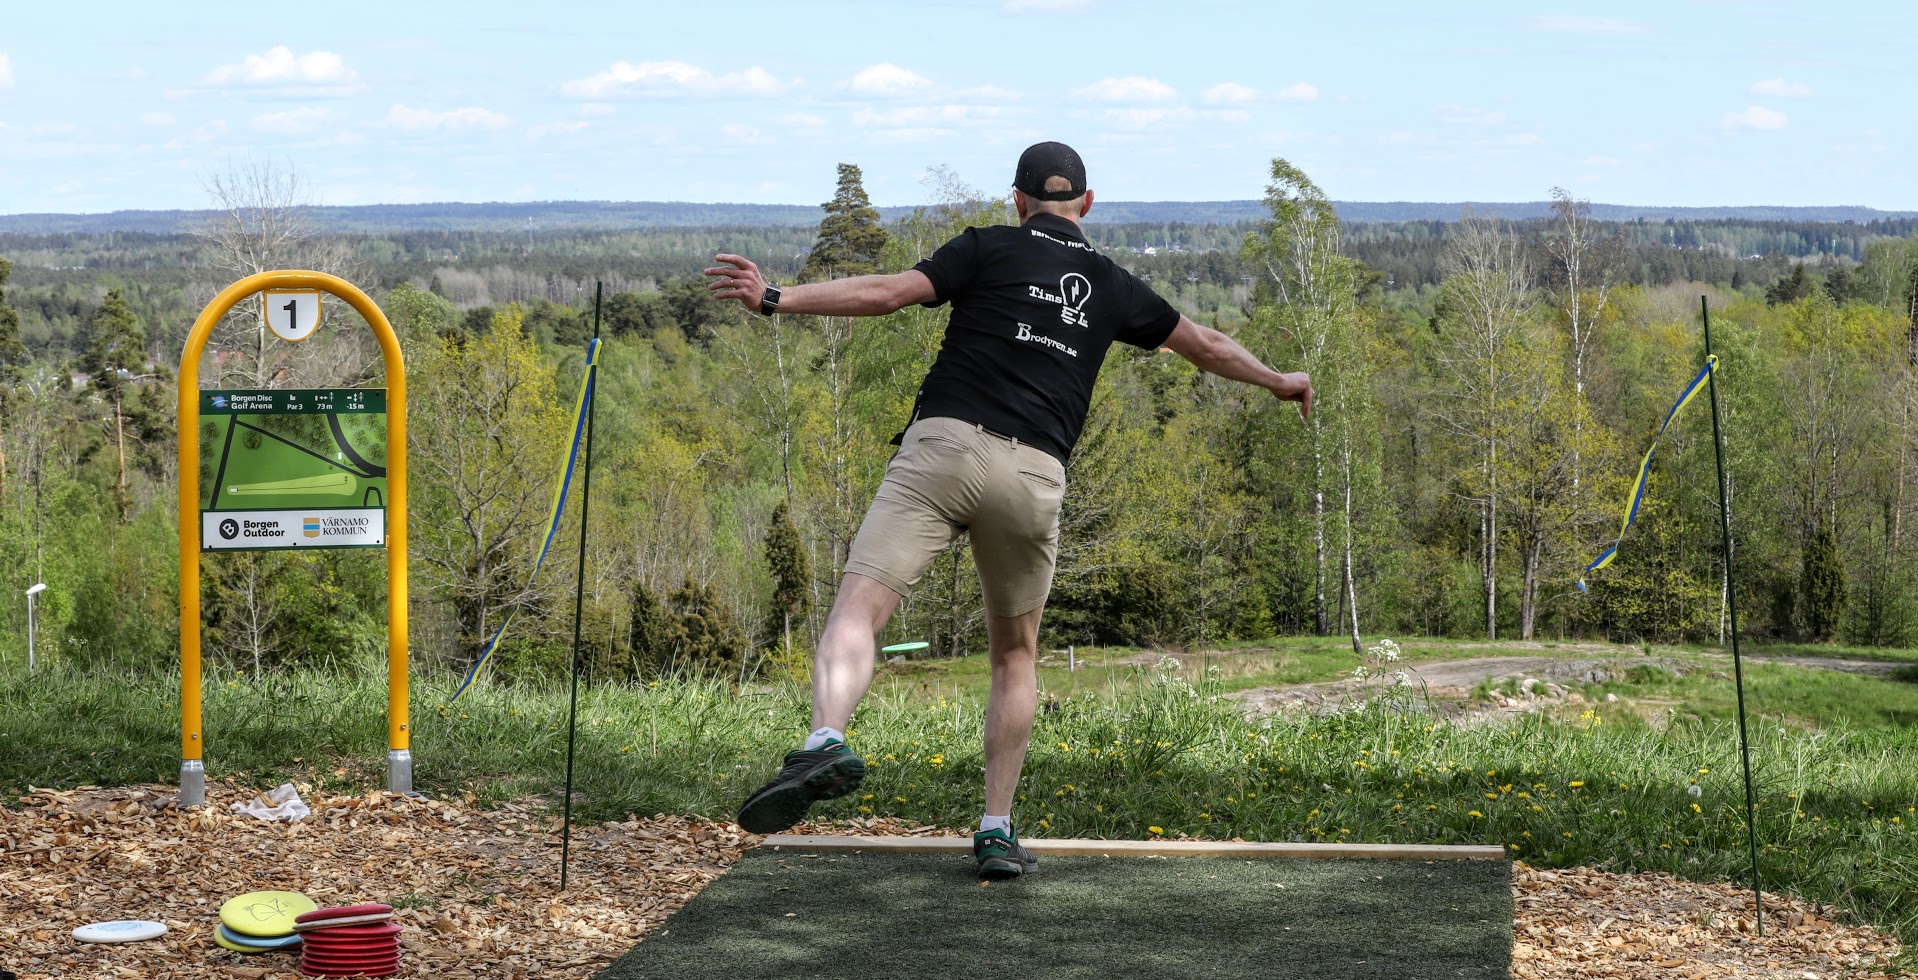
{"type": "Point", "coordinates": [1034, 309]}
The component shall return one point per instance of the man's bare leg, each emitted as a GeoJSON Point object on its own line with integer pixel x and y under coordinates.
{"type": "Point", "coordinates": [842, 664]}
{"type": "Point", "coordinates": [842, 670]}
{"type": "Point", "coordinates": [1009, 711]}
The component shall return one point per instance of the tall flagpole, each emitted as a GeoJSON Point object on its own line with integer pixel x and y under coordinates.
{"type": "Point", "coordinates": [579, 593]}
{"type": "Point", "coordinates": [1731, 605]}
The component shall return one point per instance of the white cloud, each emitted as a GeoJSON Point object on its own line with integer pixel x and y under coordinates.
{"type": "Point", "coordinates": [157, 119]}
{"type": "Point", "coordinates": [1048, 6]}
{"type": "Point", "coordinates": [886, 79]}
{"type": "Point", "coordinates": [1130, 89]}
{"type": "Point", "coordinates": [279, 67]}
{"type": "Point", "coordinates": [1149, 118]}
{"type": "Point", "coordinates": [672, 78]}
{"type": "Point", "coordinates": [597, 109]}
{"type": "Point", "coordinates": [1229, 116]}
{"type": "Point", "coordinates": [1524, 139]}
{"type": "Point", "coordinates": [1470, 116]}
{"type": "Point", "coordinates": [291, 121]}
{"type": "Point", "coordinates": [6, 72]}
{"type": "Point", "coordinates": [802, 119]}
{"type": "Point", "coordinates": [1778, 86]}
{"type": "Point", "coordinates": [1229, 93]}
{"type": "Point", "coordinates": [742, 134]}
{"type": "Point", "coordinates": [427, 119]}
{"type": "Point", "coordinates": [924, 134]}
{"type": "Point", "coordinates": [1398, 137]}
{"type": "Point", "coordinates": [925, 116]}
{"type": "Point", "coordinates": [562, 128]}
{"type": "Point", "coordinates": [990, 93]}
{"type": "Point", "coordinates": [1754, 117]}
{"type": "Point", "coordinates": [1573, 24]}
{"type": "Point", "coordinates": [1301, 92]}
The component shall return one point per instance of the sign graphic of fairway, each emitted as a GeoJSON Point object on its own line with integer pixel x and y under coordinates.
{"type": "Point", "coordinates": [319, 452]}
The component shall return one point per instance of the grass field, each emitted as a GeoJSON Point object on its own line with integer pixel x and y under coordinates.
{"type": "Point", "coordinates": [1648, 782]}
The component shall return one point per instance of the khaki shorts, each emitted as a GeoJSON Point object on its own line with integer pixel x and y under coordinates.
{"type": "Point", "coordinates": [949, 476]}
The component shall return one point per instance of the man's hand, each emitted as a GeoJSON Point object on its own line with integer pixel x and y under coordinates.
{"type": "Point", "coordinates": [737, 278]}
{"type": "Point", "coordinates": [1295, 387]}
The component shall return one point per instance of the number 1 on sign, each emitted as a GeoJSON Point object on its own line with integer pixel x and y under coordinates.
{"type": "Point", "coordinates": [293, 314]}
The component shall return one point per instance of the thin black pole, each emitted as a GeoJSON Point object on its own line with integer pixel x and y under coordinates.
{"type": "Point", "coordinates": [1731, 607]}
{"type": "Point", "coordinates": [579, 592]}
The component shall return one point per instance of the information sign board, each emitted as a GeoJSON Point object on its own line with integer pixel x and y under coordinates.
{"type": "Point", "coordinates": [292, 468]}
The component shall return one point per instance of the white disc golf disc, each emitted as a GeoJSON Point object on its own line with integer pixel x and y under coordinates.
{"type": "Point", "coordinates": [120, 931]}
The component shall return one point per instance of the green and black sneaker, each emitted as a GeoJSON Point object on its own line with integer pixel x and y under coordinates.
{"type": "Point", "coordinates": [1000, 856]}
{"type": "Point", "coordinates": [824, 773]}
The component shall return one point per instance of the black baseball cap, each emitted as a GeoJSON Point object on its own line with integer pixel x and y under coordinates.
{"type": "Point", "coordinates": [1043, 161]}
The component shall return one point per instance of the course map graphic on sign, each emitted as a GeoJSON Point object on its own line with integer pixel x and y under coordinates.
{"type": "Point", "coordinates": [293, 468]}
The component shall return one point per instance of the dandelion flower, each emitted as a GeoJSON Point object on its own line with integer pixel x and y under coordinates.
{"type": "Point", "coordinates": [1156, 830]}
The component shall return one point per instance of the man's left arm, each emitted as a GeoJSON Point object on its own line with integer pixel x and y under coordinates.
{"type": "Point", "coordinates": [738, 278]}
{"type": "Point", "coordinates": [1216, 353]}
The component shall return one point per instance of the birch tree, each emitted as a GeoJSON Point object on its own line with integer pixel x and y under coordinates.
{"type": "Point", "coordinates": [1487, 300]}
{"type": "Point", "coordinates": [1305, 297]}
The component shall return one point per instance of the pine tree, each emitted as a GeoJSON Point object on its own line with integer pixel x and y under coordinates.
{"type": "Point", "coordinates": [652, 633]}
{"type": "Point", "coordinates": [792, 574]}
{"type": "Point", "coordinates": [1822, 585]}
{"type": "Point", "coordinates": [117, 344]}
{"type": "Point", "coordinates": [1790, 288]}
{"type": "Point", "coordinates": [706, 639]}
{"type": "Point", "coordinates": [13, 353]}
{"type": "Point", "coordinates": [850, 238]}
{"type": "Point", "coordinates": [13, 358]}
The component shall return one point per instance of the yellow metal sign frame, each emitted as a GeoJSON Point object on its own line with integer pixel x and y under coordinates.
{"type": "Point", "coordinates": [399, 771]}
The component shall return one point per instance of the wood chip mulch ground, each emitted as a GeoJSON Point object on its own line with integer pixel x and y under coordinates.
{"type": "Point", "coordinates": [478, 892]}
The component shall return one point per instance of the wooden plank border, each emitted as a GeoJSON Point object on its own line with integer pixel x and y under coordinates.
{"type": "Point", "coordinates": [1142, 848]}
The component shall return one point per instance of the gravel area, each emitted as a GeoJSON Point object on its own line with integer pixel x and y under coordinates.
{"type": "Point", "coordinates": [478, 892]}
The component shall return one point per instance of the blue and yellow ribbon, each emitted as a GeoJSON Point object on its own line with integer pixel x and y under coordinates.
{"type": "Point", "coordinates": [1645, 468]}
{"type": "Point", "coordinates": [559, 506]}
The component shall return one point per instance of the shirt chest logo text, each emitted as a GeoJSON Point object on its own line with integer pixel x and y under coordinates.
{"type": "Point", "coordinates": [1074, 290]}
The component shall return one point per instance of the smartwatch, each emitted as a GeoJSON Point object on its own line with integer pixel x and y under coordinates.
{"type": "Point", "coordinates": [769, 302]}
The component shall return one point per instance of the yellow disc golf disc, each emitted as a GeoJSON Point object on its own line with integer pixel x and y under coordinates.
{"type": "Point", "coordinates": [265, 913]}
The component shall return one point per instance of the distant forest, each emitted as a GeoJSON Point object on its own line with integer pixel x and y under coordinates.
{"type": "Point", "coordinates": [379, 219]}
{"type": "Point", "coordinates": [59, 277]}
{"type": "Point", "coordinates": [1487, 383]}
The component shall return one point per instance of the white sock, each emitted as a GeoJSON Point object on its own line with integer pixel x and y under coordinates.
{"type": "Point", "coordinates": [822, 735]}
{"type": "Point", "coordinates": [990, 822]}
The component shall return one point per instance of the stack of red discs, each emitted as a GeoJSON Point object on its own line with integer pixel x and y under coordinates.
{"type": "Point", "coordinates": [350, 941]}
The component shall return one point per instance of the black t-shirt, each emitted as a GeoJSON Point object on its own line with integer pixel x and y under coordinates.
{"type": "Point", "coordinates": [1033, 310]}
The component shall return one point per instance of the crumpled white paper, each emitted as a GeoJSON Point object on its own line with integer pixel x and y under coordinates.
{"type": "Point", "coordinates": [282, 803]}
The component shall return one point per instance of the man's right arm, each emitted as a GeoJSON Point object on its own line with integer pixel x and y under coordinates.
{"type": "Point", "coordinates": [1216, 353]}
{"type": "Point", "coordinates": [738, 278]}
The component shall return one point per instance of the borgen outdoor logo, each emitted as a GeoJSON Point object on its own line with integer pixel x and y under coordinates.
{"type": "Point", "coordinates": [310, 527]}
{"type": "Point", "coordinates": [229, 529]}
{"type": "Point", "coordinates": [219, 401]}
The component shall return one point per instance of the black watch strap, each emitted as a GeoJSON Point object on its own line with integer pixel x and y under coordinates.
{"type": "Point", "coordinates": [769, 301]}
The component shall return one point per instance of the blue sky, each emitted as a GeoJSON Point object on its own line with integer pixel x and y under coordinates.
{"type": "Point", "coordinates": [110, 105]}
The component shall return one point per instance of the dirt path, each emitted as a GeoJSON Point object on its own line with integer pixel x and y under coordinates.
{"type": "Point", "coordinates": [1542, 680]}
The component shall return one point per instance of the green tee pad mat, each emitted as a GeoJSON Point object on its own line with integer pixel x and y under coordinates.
{"type": "Point", "coordinates": [794, 914]}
